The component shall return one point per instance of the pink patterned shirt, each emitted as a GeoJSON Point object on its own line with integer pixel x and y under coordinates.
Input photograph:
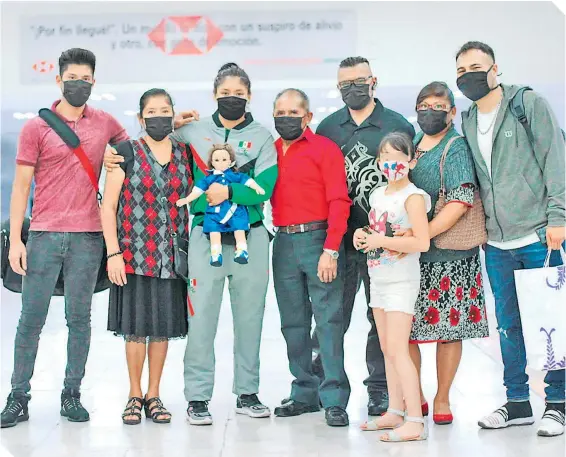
{"type": "Point", "coordinates": [64, 199]}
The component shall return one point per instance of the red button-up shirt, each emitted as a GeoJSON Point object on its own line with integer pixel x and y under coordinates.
{"type": "Point", "coordinates": [311, 186]}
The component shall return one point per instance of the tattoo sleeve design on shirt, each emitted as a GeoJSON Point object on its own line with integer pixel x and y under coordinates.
{"type": "Point", "coordinates": [362, 175]}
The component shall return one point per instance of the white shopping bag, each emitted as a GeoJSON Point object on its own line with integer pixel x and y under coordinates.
{"type": "Point", "coordinates": [542, 303]}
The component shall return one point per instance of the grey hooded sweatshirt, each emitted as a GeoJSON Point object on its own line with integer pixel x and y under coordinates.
{"type": "Point", "coordinates": [526, 190]}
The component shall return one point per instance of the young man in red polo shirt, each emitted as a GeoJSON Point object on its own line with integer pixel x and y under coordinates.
{"type": "Point", "coordinates": [310, 206]}
{"type": "Point", "coordinates": [65, 232]}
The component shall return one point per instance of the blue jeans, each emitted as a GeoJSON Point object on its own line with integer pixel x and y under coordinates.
{"type": "Point", "coordinates": [300, 294]}
{"type": "Point", "coordinates": [79, 255]}
{"type": "Point", "coordinates": [500, 265]}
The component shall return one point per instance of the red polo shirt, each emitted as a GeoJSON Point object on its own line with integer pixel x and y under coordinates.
{"type": "Point", "coordinates": [311, 186]}
{"type": "Point", "coordinates": [64, 199]}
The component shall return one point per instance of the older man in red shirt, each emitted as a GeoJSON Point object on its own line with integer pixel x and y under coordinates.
{"type": "Point", "coordinates": [310, 212]}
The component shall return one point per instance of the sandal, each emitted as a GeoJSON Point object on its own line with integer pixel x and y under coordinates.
{"type": "Point", "coordinates": [372, 426]}
{"type": "Point", "coordinates": [394, 437]}
{"type": "Point", "coordinates": [133, 408]}
{"type": "Point", "coordinates": [154, 408]}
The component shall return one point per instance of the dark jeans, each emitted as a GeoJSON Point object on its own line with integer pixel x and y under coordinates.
{"type": "Point", "coordinates": [356, 275]}
{"type": "Point", "coordinates": [79, 255]}
{"type": "Point", "coordinates": [500, 265]}
{"type": "Point", "coordinates": [295, 266]}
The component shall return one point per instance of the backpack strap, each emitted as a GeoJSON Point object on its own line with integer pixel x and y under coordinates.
{"type": "Point", "coordinates": [517, 106]}
{"type": "Point", "coordinates": [71, 139]}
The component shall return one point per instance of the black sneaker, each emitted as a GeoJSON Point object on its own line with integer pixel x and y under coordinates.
{"type": "Point", "coordinates": [71, 407]}
{"type": "Point", "coordinates": [251, 406]}
{"type": "Point", "coordinates": [378, 403]}
{"type": "Point", "coordinates": [197, 413]}
{"type": "Point", "coordinates": [295, 408]}
{"type": "Point", "coordinates": [16, 410]}
{"type": "Point", "coordinates": [336, 417]}
{"type": "Point", "coordinates": [511, 413]}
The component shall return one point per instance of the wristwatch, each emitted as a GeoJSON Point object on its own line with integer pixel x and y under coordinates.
{"type": "Point", "coordinates": [331, 253]}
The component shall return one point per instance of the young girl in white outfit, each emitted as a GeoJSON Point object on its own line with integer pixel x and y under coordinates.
{"type": "Point", "coordinates": [394, 282]}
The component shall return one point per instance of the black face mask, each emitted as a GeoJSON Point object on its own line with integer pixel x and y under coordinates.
{"type": "Point", "coordinates": [76, 92]}
{"type": "Point", "coordinates": [290, 128]}
{"type": "Point", "coordinates": [355, 97]}
{"type": "Point", "coordinates": [474, 84]}
{"type": "Point", "coordinates": [232, 108]}
{"type": "Point", "coordinates": [158, 127]}
{"type": "Point", "coordinates": [432, 122]}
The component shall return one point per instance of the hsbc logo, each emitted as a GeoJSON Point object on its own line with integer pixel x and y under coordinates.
{"type": "Point", "coordinates": [194, 35]}
{"type": "Point", "coordinates": [43, 67]}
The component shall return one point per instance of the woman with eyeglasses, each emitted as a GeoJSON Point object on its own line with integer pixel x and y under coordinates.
{"type": "Point", "coordinates": [451, 303]}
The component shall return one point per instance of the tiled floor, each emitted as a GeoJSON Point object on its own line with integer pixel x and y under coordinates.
{"type": "Point", "coordinates": [477, 390]}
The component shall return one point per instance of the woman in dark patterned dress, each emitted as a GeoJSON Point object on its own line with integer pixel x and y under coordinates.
{"type": "Point", "coordinates": [148, 301]}
{"type": "Point", "coordinates": [451, 303]}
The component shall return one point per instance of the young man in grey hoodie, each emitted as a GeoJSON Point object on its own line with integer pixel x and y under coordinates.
{"type": "Point", "coordinates": [523, 192]}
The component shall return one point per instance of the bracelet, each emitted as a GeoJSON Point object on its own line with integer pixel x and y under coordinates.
{"type": "Point", "coordinates": [113, 255]}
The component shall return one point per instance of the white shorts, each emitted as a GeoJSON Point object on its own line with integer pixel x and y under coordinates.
{"type": "Point", "coordinates": [394, 291]}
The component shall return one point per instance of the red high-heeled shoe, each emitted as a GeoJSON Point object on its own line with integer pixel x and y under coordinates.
{"type": "Point", "coordinates": [443, 419]}
{"type": "Point", "coordinates": [424, 408]}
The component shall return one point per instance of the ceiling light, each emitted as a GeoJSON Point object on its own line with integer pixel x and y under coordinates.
{"type": "Point", "coordinates": [315, 122]}
{"type": "Point", "coordinates": [109, 97]}
{"type": "Point", "coordinates": [333, 94]}
{"type": "Point", "coordinates": [95, 97]}
{"type": "Point", "coordinates": [458, 94]}
{"type": "Point", "coordinates": [130, 113]}
{"type": "Point", "coordinates": [321, 109]}
{"type": "Point", "coordinates": [412, 119]}
{"type": "Point", "coordinates": [30, 115]}
{"type": "Point", "coordinates": [19, 116]}
{"type": "Point", "coordinates": [332, 109]}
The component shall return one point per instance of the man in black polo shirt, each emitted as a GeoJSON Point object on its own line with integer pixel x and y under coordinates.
{"type": "Point", "coordinates": [358, 129]}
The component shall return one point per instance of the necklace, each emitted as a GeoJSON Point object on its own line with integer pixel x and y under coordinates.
{"type": "Point", "coordinates": [419, 153]}
{"type": "Point", "coordinates": [492, 123]}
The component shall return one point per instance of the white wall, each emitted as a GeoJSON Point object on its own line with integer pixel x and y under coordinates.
{"type": "Point", "coordinates": [409, 43]}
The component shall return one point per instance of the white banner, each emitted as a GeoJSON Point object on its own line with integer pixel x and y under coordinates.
{"type": "Point", "coordinates": [151, 48]}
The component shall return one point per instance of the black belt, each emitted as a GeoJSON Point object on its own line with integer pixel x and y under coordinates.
{"type": "Point", "coordinates": [302, 228]}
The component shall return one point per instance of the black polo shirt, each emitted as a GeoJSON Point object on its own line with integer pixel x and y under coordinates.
{"type": "Point", "coordinates": [359, 145]}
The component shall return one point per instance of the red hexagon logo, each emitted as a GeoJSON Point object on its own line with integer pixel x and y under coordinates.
{"type": "Point", "coordinates": [43, 66]}
{"type": "Point", "coordinates": [176, 35]}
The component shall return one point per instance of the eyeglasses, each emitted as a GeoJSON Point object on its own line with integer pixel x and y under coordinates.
{"type": "Point", "coordinates": [359, 82]}
{"type": "Point", "coordinates": [435, 107]}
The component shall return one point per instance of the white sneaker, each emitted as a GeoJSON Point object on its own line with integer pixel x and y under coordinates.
{"type": "Point", "coordinates": [250, 405]}
{"type": "Point", "coordinates": [500, 419]}
{"type": "Point", "coordinates": [552, 423]}
{"type": "Point", "coordinates": [197, 413]}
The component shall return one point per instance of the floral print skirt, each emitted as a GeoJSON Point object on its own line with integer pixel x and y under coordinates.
{"type": "Point", "coordinates": [451, 302]}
